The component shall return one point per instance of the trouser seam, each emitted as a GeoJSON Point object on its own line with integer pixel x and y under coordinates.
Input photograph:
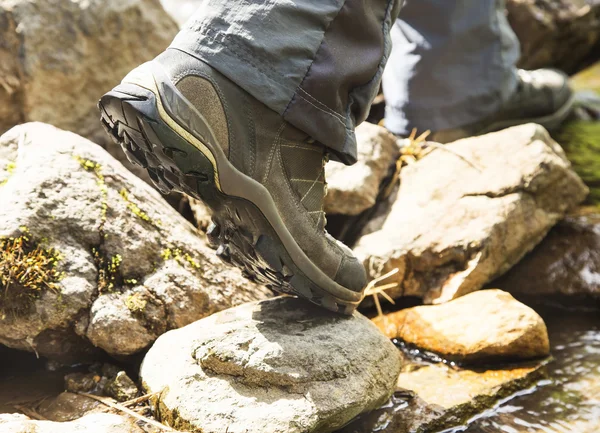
{"type": "Point", "coordinates": [328, 110]}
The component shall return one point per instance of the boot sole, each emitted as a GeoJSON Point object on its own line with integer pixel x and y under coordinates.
{"type": "Point", "coordinates": [160, 131]}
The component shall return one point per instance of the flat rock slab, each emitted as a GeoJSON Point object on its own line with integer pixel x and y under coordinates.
{"type": "Point", "coordinates": [118, 265]}
{"type": "Point", "coordinates": [94, 423]}
{"type": "Point", "coordinates": [435, 397]}
{"type": "Point", "coordinates": [354, 189]}
{"type": "Point", "coordinates": [485, 326]}
{"type": "Point", "coordinates": [469, 211]}
{"type": "Point", "coordinates": [564, 267]}
{"type": "Point", "coordinates": [278, 366]}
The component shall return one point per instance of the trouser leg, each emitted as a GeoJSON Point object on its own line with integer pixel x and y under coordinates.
{"type": "Point", "coordinates": [318, 63]}
{"type": "Point", "coordinates": [452, 64]}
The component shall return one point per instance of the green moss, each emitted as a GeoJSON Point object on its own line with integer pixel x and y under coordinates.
{"type": "Point", "coordinates": [136, 303]}
{"type": "Point", "coordinates": [109, 271]}
{"type": "Point", "coordinates": [135, 209]}
{"type": "Point", "coordinates": [96, 168]}
{"type": "Point", "coordinates": [180, 257]}
{"type": "Point", "coordinates": [581, 141]}
{"type": "Point", "coordinates": [27, 270]}
{"type": "Point", "coordinates": [10, 168]}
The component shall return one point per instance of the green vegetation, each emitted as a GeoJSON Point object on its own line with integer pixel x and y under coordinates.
{"type": "Point", "coordinates": [10, 168]}
{"type": "Point", "coordinates": [27, 269]}
{"type": "Point", "coordinates": [581, 141]}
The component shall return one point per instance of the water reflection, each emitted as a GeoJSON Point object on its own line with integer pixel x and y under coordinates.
{"type": "Point", "coordinates": [570, 400]}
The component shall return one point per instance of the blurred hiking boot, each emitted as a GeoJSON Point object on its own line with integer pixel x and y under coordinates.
{"type": "Point", "coordinates": [197, 132]}
{"type": "Point", "coordinates": [542, 96]}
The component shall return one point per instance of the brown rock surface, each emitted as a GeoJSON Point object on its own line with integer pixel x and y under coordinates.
{"type": "Point", "coordinates": [489, 325]}
{"type": "Point", "coordinates": [436, 397]}
{"type": "Point", "coordinates": [466, 213]}
{"type": "Point", "coordinates": [564, 267]}
{"type": "Point", "coordinates": [558, 33]}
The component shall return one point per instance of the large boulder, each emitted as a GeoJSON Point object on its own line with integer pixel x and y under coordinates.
{"type": "Point", "coordinates": [559, 33]}
{"type": "Point", "coordinates": [278, 366]}
{"type": "Point", "coordinates": [354, 189]}
{"type": "Point", "coordinates": [94, 423]}
{"type": "Point", "coordinates": [58, 57]}
{"type": "Point", "coordinates": [468, 211]}
{"type": "Point", "coordinates": [485, 326]}
{"type": "Point", "coordinates": [565, 267]}
{"type": "Point", "coordinates": [91, 256]}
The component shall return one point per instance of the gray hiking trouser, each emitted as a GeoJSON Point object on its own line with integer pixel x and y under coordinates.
{"type": "Point", "coordinates": [319, 63]}
{"type": "Point", "coordinates": [452, 64]}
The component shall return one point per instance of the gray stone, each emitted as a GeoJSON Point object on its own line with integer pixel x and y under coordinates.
{"type": "Point", "coordinates": [68, 406]}
{"type": "Point", "coordinates": [93, 423]}
{"type": "Point", "coordinates": [278, 366]}
{"type": "Point", "coordinates": [466, 213]}
{"type": "Point", "coordinates": [122, 266]}
{"type": "Point", "coordinates": [121, 387]}
{"type": "Point", "coordinates": [58, 57]}
{"type": "Point", "coordinates": [353, 189]}
{"type": "Point", "coordinates": [565, 267]}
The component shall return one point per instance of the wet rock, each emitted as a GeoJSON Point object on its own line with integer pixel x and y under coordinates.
{"type": "Point", "coordinates": [485, 326]}
{"type": "Point", "coordinates": [117, 266]}
{"type": "Point", "coordinates": [121, 387]}
{"type": "Point", "coordinates": [68, 406]}
{"type": "Point", "coordinates": [280, 366]}
{"type": "Point", "coordinates": [565, 267]}
{"type": "Point", "coordinates": [44, 81]}
{"type": "Point", "coordinates": [435, 397]}
{"type": "Point", "coordinates": [81, 382]}
{"type": "Point", "coordinates": [94, 423]}
{"type": "Point", "coordinates": [353, 189]}
{"type": "Point", "coordinates": [467, 212]}
{"type": "Point", "coordinates": [560, 33]}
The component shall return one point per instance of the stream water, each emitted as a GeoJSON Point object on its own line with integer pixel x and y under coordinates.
{"type": "Point", "coordinates": [569, 401]}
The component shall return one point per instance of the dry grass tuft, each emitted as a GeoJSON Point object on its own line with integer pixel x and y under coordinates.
{"type": "Point", "coordinates": [26, 271]}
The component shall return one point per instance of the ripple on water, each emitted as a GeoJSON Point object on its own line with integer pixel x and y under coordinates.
{"type": "Point", "coordinates": [570, 401]}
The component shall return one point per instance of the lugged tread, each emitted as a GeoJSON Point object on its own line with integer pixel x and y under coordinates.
{"type": "Point", "coordinates": [240, 233]}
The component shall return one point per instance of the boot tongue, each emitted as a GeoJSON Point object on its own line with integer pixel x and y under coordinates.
{"type": "Point", "coordinates": [304, 163]}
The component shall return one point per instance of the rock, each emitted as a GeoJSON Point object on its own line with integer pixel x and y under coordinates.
{"type": "Point", "coordinates": [181, 10]}
{"type": "Point", "coordinates": [353, 189]}
{"type": "Point", "coordinates": [484, 326]}
{"type": "Point", "coordinates": [201, 212]}
{"type": "Point", "coordinates": [560, 33]}
{"type": "Point", "coordinates": [565, 267]}
{"type": "Point", "coordinates": [280, 366]}
{"type": "Point", "coordinates": [435, 397]}
{"type": "Point", "coordinates": [81, 382]}
{"type": "Point", "coordinates": [94, 423]}
{"type": "Point", "coordinates": [117, 266]}
{"type": "Point", "coordinates": [466, 213]}
{"type": "Point", "coordinates": [121, 387]}
{"type": "Point", "coordinates": [44, 81]}
{"type": "Point", "coordinates": [68, 407]}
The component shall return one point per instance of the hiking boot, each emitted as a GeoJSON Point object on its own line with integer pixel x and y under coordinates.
{"type": "Point", "coordinates": [542, 96]}
{"type": "Point", "coordinates": [199, 133]}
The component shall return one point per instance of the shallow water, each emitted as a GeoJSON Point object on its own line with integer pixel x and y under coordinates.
{"type": "Point", "coordinates": [570, 400]}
